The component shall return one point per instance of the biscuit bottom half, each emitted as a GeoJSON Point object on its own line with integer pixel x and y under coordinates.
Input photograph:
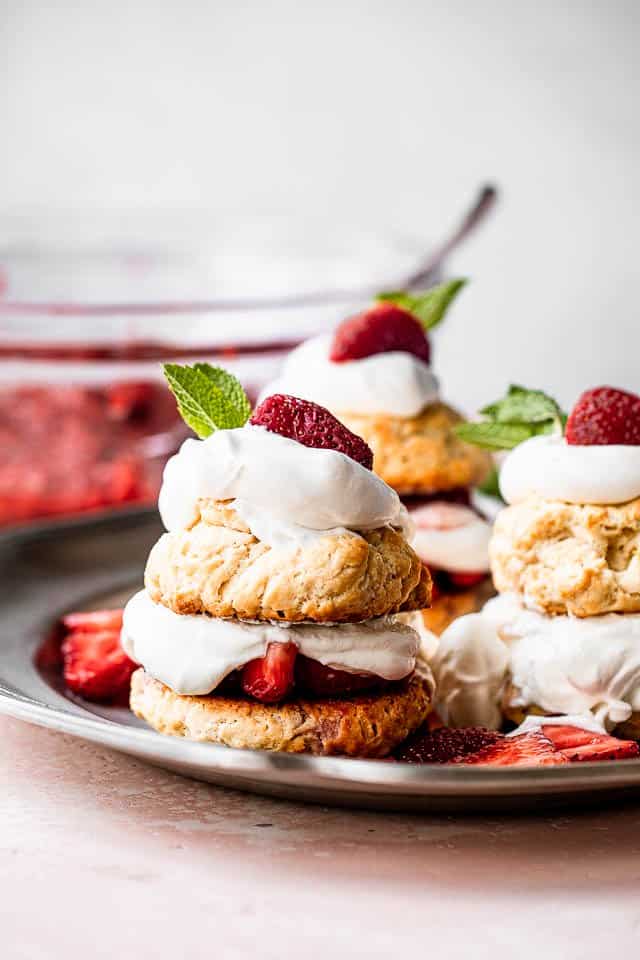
{"type": "Point", "coordinates": [367, 725]}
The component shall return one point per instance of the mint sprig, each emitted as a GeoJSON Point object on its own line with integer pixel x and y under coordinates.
{"type": "Point", "coordinates": [209, 398]}
{"type": "Point", "coordinates": [520, 415]}
{"type": "Point", "coordinates": [429, 306]}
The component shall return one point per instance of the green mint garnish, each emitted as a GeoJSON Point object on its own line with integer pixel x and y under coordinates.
{"type": "Point", "coordinates": [429, 306]}
{"type": "Point", "coordinates": [520, 415]}
{"type": "Point", "coordinates": [209, 398]}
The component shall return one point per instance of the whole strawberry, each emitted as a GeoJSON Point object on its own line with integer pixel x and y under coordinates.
{"type": "Point", "coordinates": [311, 425]}
{"type": "Point", "coordinates": [381, 329]}
{"type": "Point", "coordinates": [604, 416]}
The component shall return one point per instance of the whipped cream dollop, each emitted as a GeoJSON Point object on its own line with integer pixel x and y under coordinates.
{"type": "Point", "coordinates": [470, 666]}
{"type": "Point", "coordinates": [283, 490]}
{"type": "Point", "coordinates": [553, 469]}
{"type": "Point", "coordinates": [450, 536]}
{"type": "Point", "coordinates": [563, 664]}
{"type": "Point", "coordinates": [397, 382]}
{"type": "Point", "coordinates": [192, 654]}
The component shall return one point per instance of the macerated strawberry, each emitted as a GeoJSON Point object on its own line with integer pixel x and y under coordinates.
{"type": "Point", "coordinates": [95, 666]}
{"type": "Point", "coordinates": [445, 744]}
{"type": "Point", "coordinates": [314, 679]}
{"type": "Point", "coordinates": [604, 416]}
{"type": "Point", "coordinates": [579, 745]}
{"type": "Point", "coordinates": [311, 425]}
{"type": "Point", "coordinates": [129, 400]}
{"type": "Point", "coordinates": [94, 620]}
{"type": "Point", "coordinates": [270, 678]}
{"type": "Point", "coordinates": [527, 749]}
{"type": "Point", "coordinates": [381, 329]}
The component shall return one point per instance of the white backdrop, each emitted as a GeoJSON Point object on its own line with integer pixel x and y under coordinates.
{"type": "Point", "coordinates": [369, 109]}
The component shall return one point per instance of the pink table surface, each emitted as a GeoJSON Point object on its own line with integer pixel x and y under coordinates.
{"type": "Point", "coordinates": [102, 856]}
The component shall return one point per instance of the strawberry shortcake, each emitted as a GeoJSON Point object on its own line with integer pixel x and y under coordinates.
{"type": "Point", "coordinates": [268, 618]}
{"type": "Point", "coordinates": [563, 636]}
{"type": "Point", "coordinates": [374, 373]}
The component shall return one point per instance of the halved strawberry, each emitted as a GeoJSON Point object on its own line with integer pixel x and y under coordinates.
{"type": "Point", "coordinates": [382, 328]}
{"type": "Point", "coordinates": [579, 745]}
{"type": "Point", "coordinates": [604, 416]}
{"type": "Point", "coordinates": [270, 678]}
{"type": "Point", "coordinates": [94, 620]}
{"type": "Point", "coordinates": [315, 679]}
{"type": "Point", "coordinates": [528, 749]}
{"type": "Point", "coordinates": [445, 744]}
{"type": "Point", "coordinates": [95, 666]}
{"type": "Point", "coordinates": [311, 425]}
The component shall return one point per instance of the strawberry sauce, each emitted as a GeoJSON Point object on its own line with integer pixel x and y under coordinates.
{"type": "Point", "coordinates": [69, 449]}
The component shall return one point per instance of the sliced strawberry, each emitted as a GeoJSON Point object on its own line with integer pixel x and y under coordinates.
{"type": "Point", "coordinates": [445, 744]}
{"type": "Point", "coordinates": [603, 416]}
{"type": "Point", "coordinates": [579, 745]}
{"type": "Point", "coordinates": [94, 621]}
{"type": "Point", "coordinates": [380, 329]}
{"type": "Point", "coordinates": [528, 749]}
{"type": "Point", "coordinates": [95, 666]}
{"type": "Point", "coordinates": [270, 678]}
{"type": "Point", "coordinates": [315, 679]}
{"type": "Point", "coordinates": [311, 425]}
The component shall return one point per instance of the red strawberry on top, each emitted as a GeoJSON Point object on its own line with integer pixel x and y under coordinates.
{"type": "Point", "coordinates": [311, 425]}
{"type": "Point", "coordinates": [270, 678]}
{"type": "Point", "coordinates": [380, 329]}
{"type": "Point", "coordinates": [603, 416]}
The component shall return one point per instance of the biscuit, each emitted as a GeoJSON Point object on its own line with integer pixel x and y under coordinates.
{"type": "Point", "coordinates": [362, 726]}
{"type": "Point", "coordinates": [420, 455]}
{"type": "Point", "coordinates": [218, 567]}
{"type": "Point", "coordinates": [447, 607]}
{"type": "Point", "coordinates": [569, 558]}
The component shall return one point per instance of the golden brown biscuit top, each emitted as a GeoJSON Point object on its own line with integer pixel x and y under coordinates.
{"type": "Point", "coordinates": [420, 455]}
{"type": "Point", "coordinates": [218, 567]}
{"type": "Point", "coordinates": [569, 558]}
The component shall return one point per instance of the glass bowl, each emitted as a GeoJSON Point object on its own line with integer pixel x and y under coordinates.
{"type": "Point", "coordinates": [90, 307]}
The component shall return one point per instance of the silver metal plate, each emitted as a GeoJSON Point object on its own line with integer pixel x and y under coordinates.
{"type": "Point", "coordinates": [100, 566]}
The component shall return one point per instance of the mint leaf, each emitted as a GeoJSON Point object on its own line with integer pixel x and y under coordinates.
{"type": "Point", "coordinates": [209, 398]}
{"type": "Point", "coordinates": [430, 306]}
{"type": "Point", "coordinates": [229, 385]}
{"type": "Point", "coordinates": [493, 436]}
{"type": "Point", "coordinates": [520, 415]}
{"type": "Point", "coordinates": [523, 406]}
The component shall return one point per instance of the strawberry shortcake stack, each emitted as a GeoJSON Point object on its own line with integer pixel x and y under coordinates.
{"type": "Point", "coordinates": [374, 373]}
{"type": "Point", "coordinates": [563, 636]}
{"type": "Point", "coordinates": [268, 617]}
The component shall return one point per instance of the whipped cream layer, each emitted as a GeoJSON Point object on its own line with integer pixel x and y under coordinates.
{"type": "Point", "coordinates": [553, 469]}
{"type": "Point", "coordinates": [396, 383]}
{"type": "Point", "coordinates": [470, 666]}
{"type": "Point", "coordinates": [562, 664]}
{"type": "Point", "coordinates": [283, 490]}
{"type": "Point", "coordinates": [192, 654]}
{"type": "Point", "coordinates": [450, 536]}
